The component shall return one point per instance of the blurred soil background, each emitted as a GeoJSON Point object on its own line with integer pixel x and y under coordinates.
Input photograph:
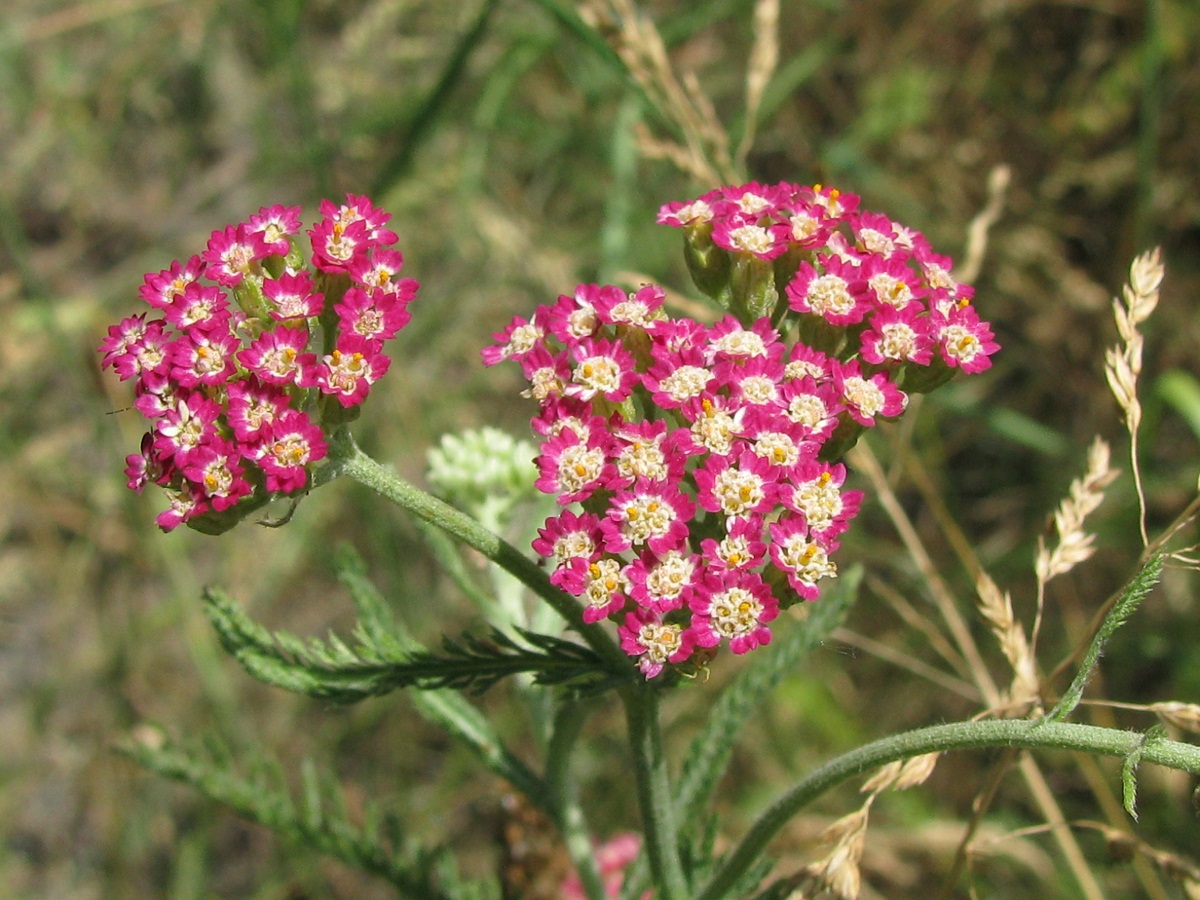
{"type": "Point", "coordinates": [503, 143]}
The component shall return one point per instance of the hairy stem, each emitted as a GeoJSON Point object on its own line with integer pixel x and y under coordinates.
{"type": "Point", "coordinates": [351, 461]}
{"type": "Point", "coordinates": [654, 791]}
{"type": "Point", "coordinates": [1022, 733]}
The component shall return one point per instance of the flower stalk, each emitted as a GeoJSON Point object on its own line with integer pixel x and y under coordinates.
{"type": "Point", "coordinates": [351, 461]}
{"type": "Point", "coordinates": [654, 791]}
{"type": "Point", "coordinates": [1026, 734]}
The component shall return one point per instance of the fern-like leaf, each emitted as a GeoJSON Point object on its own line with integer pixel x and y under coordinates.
{"type": "Point", "coordinates": [379, 663]}
{"type": "Point", "coordinates": [319, 821]}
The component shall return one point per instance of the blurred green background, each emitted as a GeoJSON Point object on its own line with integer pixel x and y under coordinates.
{"type": "Point", "coordinates": [503, 143]}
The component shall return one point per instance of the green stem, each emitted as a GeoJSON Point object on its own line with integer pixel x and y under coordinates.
{"type": "Point", "coordinates": [349, 460]}
{"type": "Point", "coordinates": [568, 722]}
{"type": "Point", "coordinates": [1022, 733]}
{"type": "Point", "coordinates": [654, 791]}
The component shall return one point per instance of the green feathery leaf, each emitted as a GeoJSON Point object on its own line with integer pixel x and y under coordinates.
{"type": "Point", "coordinates": [1133, 595]}
{"type": "Point", "coordinates": [320, 821]}
{"type": "Point", "coordinates": [379, 662]}
{"type": "Point", "coordinates": [1129, 766]}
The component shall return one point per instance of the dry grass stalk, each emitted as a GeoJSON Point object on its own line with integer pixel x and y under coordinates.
{"type": "Point", "coordinates": [1184, 716]}
{"type": "Point", "coordinates": [764, 57]}
{"type": "Point", "coordinates": [704, 153]}
{"type": "Point", "coordinates": [1123, 362]}
{"type": "Point", "coordinates": [1074, 544]}
{"type": "Point", "coordinates": [902, 774]}
{"type": "Point", "coordinates": [837, 872]}
{"type": "Point", "coordinates": [981, 225]}
{"type": "Point", "coordinates": [996, 607]}
{"type": "Point", "coordinates": [866, 462]}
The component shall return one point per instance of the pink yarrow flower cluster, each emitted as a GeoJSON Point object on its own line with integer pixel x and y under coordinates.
{"type": "Point", "coordinates": [248, 357]}
{"type": "Point", "coordinates": [858, 284]}
{"type": "Point", "coordinates": [697, 464]}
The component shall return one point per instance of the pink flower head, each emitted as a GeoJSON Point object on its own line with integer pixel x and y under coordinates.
{"type": "Point", "coordinates": [574, 317]}
{"type": "Point", "coordinates": [548, 374]}
{"type": "Point", "coordinates": [605, 589]}
{"type": "Point", "coordinates": [202, 357]}
{"type": "Point", "coordinates": [233, 253]}
{"type": "Point", "coordinates": [733, 605]}
{"type": "Point", "coordinates": [753, 382]}
{"type": "Point", "coordinates": [684, 214]}
{"type": "Point", "coordinates": [648, 450]}
{"type": "Point", "coordinates": [566, 538]}
{"type": "Point", "coordinates": [664, 583]}
{"type": "Point", "coordinates": [144, 467]}
{"type": "Point", "coordinates": [336, 245]}
{"type": "Point", "coordinates": [516, 340]}
{"type": "Point", "coordinates": [573, 468]}
{"type": "Point", "coordinates": [816, 493]}
{"type": "Point", "coordinates": [741, 548]}
{"type": "Point", "coordinates": [865, 398]}
{"type": "Point", "coordinates": [677, 376]}
{"type": "Point", "coordinates": [292, 296]}
{"type": "Point", "coordinates": [185, 504]}
{"type": "Point", "coordinates": [743, 235]}
{"type": "Point", "coordinates": [751, 201]}
{"type": "Point", "coordinates": [716, 423]}
{"type": "Point", "coordinates": [349, 371]}
{"type": "Point", "coordinates": [219, 387]}
{"type": "Point", "coordinates": [254, 408]}
{"type": "Point", "coordinates": [602, 368]}
{"type": "Point", "coordinates": [835, 291]}
{"type": "Point", "coordinates": [730, 340]}
{"type": "Point", "coordinates": [615, 307]}
{"type": "Point", "coordinates": [813, 407]}
{"type": "Point", "coordinates": [897, 336]}
{"type": "Point", "coordinates": [559, 413]}
{"type": "Point", "coordinates": [736, 487]}
{"type": "Point", "coordinates": [798, 555]}
{"type": "Point", "coordinates": [944, 289]}
{"type": "Point", "coordinates": [964, 341]}
{"type": "Point", "coordinates": [378, 314]}
{"type": "Point", "coordinates": [121, 343]}
{"type": "Point", "coordinates": [188, 425]}
{"type": "Point", "coordinates": [677, 335]}
{"type": "Point", "coordinates": [277, 356]}
{"type": "Point", "coordinates": [655, 643]}
{"type": "Point", "coordinates": [892, 282]}
{"type": "Point", "coordinates": [217, 475]}
{"type": "Point", "coordinates": [876, 235]}
{"type": "Point", "coordinates": [361, 209]}
{"type": "Point", "coordinates": [294, 443]}
{"type": "Point", "coordinates": [161, 288]}
{"type": "Point", "coordinates": [805, 362]}
{"type": "Point", "coordinates": [156, 397]}
{"type": "Point", "coordinates": [650, 514]}
{"type": "Point", "coordinates": [782, 443]}
{"type": "Point", "coordinates": [199, 306]}
{"type": "Point", "coordinates": [275, 224]}
{"type": "Point", "coordinates": [835, 203]}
